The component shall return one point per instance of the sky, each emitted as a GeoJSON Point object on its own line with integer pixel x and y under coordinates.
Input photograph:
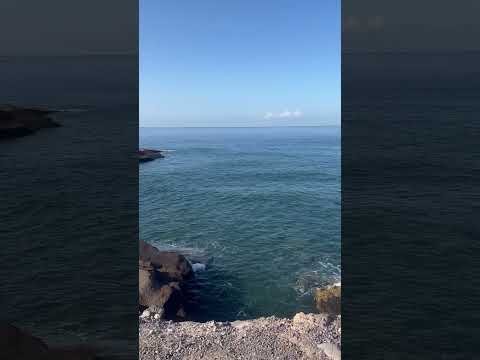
{"type": "Point", "coordinates": [239, 63]}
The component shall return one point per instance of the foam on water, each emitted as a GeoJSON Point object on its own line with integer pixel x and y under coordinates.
{"type": "Point", "coordinates": [197, 267]}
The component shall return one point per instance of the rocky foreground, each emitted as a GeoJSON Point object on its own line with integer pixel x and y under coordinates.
{"type": "Point", "coordinates": [305, 337]}
{"type": "Point", "coordinates": [163, 276]}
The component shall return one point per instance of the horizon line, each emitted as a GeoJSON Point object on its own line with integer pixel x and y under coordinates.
{"type": "Point", "coordinates": [235, 127]}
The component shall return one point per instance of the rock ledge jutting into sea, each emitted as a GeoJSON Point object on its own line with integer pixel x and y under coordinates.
{"type": "Point", "coordinates": [145, 155]}
{"type": "Point", "coordinates": [162, 280]}
{"type": "Point", "coordinates": [17, 122]}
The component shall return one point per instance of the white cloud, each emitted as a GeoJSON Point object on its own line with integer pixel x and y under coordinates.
{"type": "Point", "coordinates": [285, 114]}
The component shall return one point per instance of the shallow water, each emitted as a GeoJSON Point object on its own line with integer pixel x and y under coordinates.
{"type": "Point", "coordinates": [259, 206]}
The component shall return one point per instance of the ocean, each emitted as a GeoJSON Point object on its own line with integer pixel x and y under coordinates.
{"type": "Point", "coordinates": [69, 203]}
{"type": "Point", "coordinates": [259, 207]}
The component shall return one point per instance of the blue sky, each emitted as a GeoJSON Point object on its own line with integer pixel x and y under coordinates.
{"type": "Point", "coordinates": [239, 63]}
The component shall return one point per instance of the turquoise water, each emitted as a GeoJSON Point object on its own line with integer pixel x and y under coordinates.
{"type": "Point", "coordinates": [260, 207]}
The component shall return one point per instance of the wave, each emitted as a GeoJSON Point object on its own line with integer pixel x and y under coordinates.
{"type": "Point", "coordinates": [327, 276]}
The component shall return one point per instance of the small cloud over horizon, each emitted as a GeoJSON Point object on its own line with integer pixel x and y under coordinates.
{"type": "Point", "coordinates": [286, 114]}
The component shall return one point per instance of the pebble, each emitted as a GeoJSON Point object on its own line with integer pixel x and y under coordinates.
{"type": "Point", "coordinates": [145, 314]}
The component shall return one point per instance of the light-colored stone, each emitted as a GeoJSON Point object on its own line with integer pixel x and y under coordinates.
{"type": "Point", "coordinates": [145, 314]}
{"type": "Point", "coordinates": [331, 350]}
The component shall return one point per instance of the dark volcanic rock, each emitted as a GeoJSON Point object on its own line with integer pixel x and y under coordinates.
{"type": "Point", "coordinates": [162, 276]}
{"type": "Point", "coordinates": [16, 122]}
{"type": "Point", "coordinates": [145, 155]}
{"type": "Point", "coordinates": [18, 344]}
{"type": "Point", "coordinates": [170, 265]}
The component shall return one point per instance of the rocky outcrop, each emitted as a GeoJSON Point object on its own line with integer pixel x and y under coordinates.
{"type": "Point", "coordinates": [18, 344]}
{"type": "Point", "coordinates": [16, 122]}
{"type": "Point", "coordinates": [328, 300]}
{"type": "Point", "coordinates": [162, 282]}
{"type": "Point", "coordinates": [145, 155]}
{"type": "Point", "coordinates": [305, 337]}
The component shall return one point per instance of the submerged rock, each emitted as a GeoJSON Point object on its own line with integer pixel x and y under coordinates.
{"type": "Point", "coordinates": [328, 300]}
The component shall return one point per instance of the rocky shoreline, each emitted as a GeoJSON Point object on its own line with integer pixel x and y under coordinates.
{"type": "Point", "coordinates": [305, 337]}
{"type": "Point", "coordinates": [163, 291]}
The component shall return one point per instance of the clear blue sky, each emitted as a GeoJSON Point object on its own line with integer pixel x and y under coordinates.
{"type": "Point", "coordinates": [239, 63]}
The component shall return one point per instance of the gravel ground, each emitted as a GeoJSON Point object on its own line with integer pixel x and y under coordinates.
{"type": "Point", "coordinates": [305, 337]}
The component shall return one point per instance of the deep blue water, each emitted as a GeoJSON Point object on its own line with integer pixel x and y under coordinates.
{"type": "Point", "coordinates": [259, 206]}
{"type": "Point", "coordinates": [69, 203]}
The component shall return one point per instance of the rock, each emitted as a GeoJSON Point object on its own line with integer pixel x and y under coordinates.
{"type": "Point", "coordinates": [149, 155]}
{"type": "Point", "coordinates": [310, 321]}
{"type": "Point", "coordinates": [168, 296]}
{"type": "Point", "coordinates": [18, 344]}
{"type": "Point", "coordinates": [146, 314]}
{"type": "Point", "coordinates": [328, 300]}
{"type": "Point", "coordinates": [331, 350]}
{"type": "Point", "coordinates": [155, 309]}
{"type": "Point", "coordinates": [16, 122]}
{"type": "Point", "coordinates": [306, 337]}
{"type": "Point", "coordinates": [161, 279]}
{"type": "Point", "coordinates": [169, 264]}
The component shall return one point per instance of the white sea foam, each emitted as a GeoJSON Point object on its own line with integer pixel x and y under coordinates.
{"type": "Point", "coordinates": [197, 267]}
{"type": "Point", "coordinates": [328, 276]}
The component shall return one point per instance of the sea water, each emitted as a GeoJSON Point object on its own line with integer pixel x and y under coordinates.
{"type": "Point", "coordinates": [69, 203]}
{"type": "Point", "coordinates": [259, 207]}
